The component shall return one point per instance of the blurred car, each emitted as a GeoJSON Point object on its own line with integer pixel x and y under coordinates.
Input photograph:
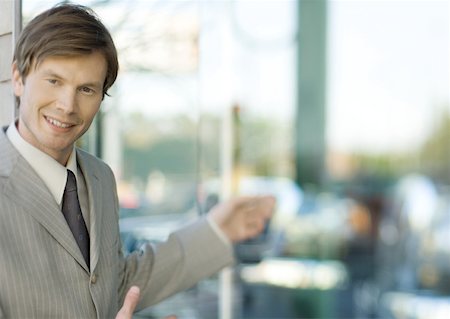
{"type": "Point", "coordinates": [413, 250]}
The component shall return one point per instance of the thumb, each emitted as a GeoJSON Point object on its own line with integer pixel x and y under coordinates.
{"type": "Point", "coordinates": [129, 304]}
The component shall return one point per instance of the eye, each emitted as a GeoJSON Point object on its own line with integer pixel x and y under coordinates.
{"type": "Point", "coordinates": [87, 90]}
{"type": "Point", "coordinates": [52, 81]}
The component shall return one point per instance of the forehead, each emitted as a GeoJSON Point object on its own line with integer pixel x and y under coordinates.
{"type": "Point", "coordinates": [86, 66]}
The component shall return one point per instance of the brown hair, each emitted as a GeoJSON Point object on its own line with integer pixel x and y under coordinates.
{"type": "Point", "coordinates": [65, 30]}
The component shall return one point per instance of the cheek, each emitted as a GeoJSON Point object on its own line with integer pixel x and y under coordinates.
{"type": "Point", "coordinates": [90, 113]}
{"type": "Point", "coordinates": [26, 106]}
{"type": "Point", "coordinates": [34, 95]}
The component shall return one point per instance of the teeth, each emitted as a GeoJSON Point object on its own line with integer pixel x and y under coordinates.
{"type": "Point", "coordinates": [57, 123]}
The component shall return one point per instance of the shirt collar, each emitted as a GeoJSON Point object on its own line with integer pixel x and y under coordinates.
{"type": "Point", "coordinates": [48, 169]}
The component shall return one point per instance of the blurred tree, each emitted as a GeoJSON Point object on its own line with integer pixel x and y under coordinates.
{"type": "Point", "coordinates": [151, 144]}
{"type": "Point", "coordinates": [435, 152]}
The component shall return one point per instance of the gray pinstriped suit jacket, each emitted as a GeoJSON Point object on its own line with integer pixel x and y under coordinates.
{"type": "Point", "coordinates": [42, 271]}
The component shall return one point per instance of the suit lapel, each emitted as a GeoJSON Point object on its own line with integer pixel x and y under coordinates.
{"type": "Point", "coordinates": [29, 191]}
{"type": "Point", "coordinates": [26, 188]}
{"type": "Point", "coordinates": [95, 205]}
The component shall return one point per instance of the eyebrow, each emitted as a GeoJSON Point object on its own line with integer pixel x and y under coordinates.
{"type": "Point", "coordinates": [51, 73]}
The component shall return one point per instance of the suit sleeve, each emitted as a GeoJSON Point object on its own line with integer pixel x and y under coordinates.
{"type": "Point", "coordinates": [193, 253]}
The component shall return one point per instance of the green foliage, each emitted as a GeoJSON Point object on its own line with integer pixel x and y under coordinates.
{"type": "Point", "coordinates": [165, 145]}
{"type": "Point", "coordinates": [431, 159]}
{"type": "Point", "coordinates": [435, 153]}
{"type": "Point", "coordinates": [172, 156]}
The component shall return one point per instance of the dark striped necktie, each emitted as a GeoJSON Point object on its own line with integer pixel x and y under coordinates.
{"type": "Point", "coordinates": [72, 212]}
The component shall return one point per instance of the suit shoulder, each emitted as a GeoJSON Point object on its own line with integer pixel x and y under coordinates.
{"type": "Point", "coordinates": [94, 163]}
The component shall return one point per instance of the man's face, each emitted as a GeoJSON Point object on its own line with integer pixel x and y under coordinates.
{"type": "Point", "coordinates": [58, 101]}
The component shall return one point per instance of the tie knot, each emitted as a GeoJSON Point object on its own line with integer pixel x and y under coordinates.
{"type": "Point", "coordinates": [71, 184]}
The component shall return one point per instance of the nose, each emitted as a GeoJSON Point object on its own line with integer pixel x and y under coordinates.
{"type": "Point", "coordinates": [67, 101]}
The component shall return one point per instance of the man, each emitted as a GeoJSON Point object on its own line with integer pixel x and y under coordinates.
{"type": "Point", "coordinates": [60, 248]}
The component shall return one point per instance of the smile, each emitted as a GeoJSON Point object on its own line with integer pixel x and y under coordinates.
{"type": "Point", "coordinates": [57, 123]}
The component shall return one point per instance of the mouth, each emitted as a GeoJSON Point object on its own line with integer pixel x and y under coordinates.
{"type": "Point", "coordinates": [57, 123]}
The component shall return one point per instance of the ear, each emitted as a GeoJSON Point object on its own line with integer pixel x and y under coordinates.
{"type": "Point", "coordinates": [17, 80]}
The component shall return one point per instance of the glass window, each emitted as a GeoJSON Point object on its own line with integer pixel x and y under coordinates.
{"type": "Point", "coordinates": [204, 108]}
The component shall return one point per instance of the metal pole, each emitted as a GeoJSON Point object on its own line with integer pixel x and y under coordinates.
{"type": "Point", "coordinates": [226, 276]}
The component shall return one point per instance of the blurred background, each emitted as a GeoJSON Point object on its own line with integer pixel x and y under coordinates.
{"type": "Point", "coordinates": [339, 108]}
